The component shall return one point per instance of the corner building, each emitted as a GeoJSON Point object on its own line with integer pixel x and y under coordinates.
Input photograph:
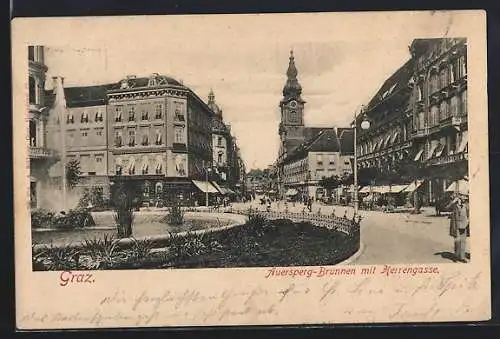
{"type": "Point", "coordinates": [159, 134]}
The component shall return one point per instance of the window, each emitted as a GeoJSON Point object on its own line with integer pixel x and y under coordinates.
{"type": "Point", "coordinates": [84, 118]}
{"type": "Point", "coordinates": [421, 120]}
{"type": "Point", "coordinates": [144, 114]}
{"type": "Point", "coordinates": [32, 90]}
{"type": "Point", "coordinates": [452, 73]}
{"type": "Point", "coordinates": [158, 140]}
{"type": "Point", "coordinates": [98, 133]}
{"type": "Point", "coordinates": [463, 103]}
{"type": "Point", "coordinates": [443, 110]}
{"type": "Point", "coordinates": [332, 159]}
{"type": "Point", "coordinates": [145, 140]}
{"type": "Point", "coordinates": [463, 66]}
{"type": "Point", "coordinates": [118, 139]}
{"type": "Point", "coordinates": [84, 134]}
{"type": "Point", "coordinates": [220, 158]}
{"type": "Point", "coordinates": [31, 53]}
{"type": "Point", "coordinates": [131, 138]}
{"type": "Point", "coordinates": [219, 141]}
{"type": "Point", "coordinates": [98, 159]}
{"type": "Point", "coordinates": [319, 159]}
{"type": "Point", "coordinates": [454, 105]}
{"type": "Point", "coordinates": [118, 113]}
{"type": "Point", "coordinates": [98, 117]}
{"type": "Point", "coordinates": [419, 92]}
{"type": "Point", "coordinates": [434, 116]}
{"type": "Point", "coordinates": [444, 77]}
{"type": "Point", "coordinates": [131, 113]}
{"type": "Point", "coordinates": [179, 134]}
{"type": "Point", "coordinates": [118, 169]}
{"type": "Point", "coordinates": [179, 115]}
{"type": "Point", "coordinates": [158, 111]}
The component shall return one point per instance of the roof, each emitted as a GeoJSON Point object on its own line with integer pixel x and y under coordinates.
{"type": "Point", "coordinates": [140, 82]}
{"type": "Point", "coordinates": [86, 96]}
{"type": "Point", "coordinates": [325, 140]}
{"type": "Point", "coordinates": [346, 139]}
{"type": "Point", "coordinates": [393, 84]}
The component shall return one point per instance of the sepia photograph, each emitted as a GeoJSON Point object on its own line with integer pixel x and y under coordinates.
{"type": "Point", "coordinates": [147, 172]}
{"type": "Point", "coordinates": [250, 142]}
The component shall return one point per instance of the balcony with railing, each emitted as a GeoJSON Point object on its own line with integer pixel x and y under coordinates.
{"type": "Point", "coordinates": [447, 159]}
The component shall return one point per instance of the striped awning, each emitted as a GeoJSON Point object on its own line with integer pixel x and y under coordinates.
{"type": "Point", "coordinates": [419, 154]}
{"type": "Point", "coordinates": [413, 186]}
{"type": "Point", "coordinates": [205, 186]}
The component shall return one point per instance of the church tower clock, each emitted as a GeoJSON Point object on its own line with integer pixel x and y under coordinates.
{"type": "Point", "coordinates": [292, 110]}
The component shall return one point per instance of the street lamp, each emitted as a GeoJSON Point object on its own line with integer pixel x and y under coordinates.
{"type": "Point", "coordinates": [365, 124]}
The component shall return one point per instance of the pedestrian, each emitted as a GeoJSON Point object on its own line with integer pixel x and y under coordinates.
{"type": "Point", "coordinates": [459, 222]}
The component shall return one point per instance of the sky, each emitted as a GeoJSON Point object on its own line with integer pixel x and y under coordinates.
{"type": "Point", "coordinates": [341, 63]}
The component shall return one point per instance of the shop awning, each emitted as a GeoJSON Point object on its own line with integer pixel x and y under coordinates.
{"type": "Point", "coordinates": [419, 154]}
{"type": "Point", "coordinates": [432, 150]}
{"type": "Point", "coordinates": [460, 186]}
{"type": "Point", "coordinates": [205, 186]}
{"type": "Point", "coordinates": [218, 187]}
{"type": "Point", "coordinates": [394, 137]}
{"type": "Point", "coordinates": [291, 192]}
{"type": "Point", "coordinates": [351, 189]}
{"type": "Point", "coordinates": [398, 188]}
{"type": "Point", "coordinates": [439, 150]}
{"type": "Point", "coordinates": [365, 189]}
{"type": "Point", "coordinates": [463, 143]}
{"type": "Point", "coordinates": [386, 142]}
{"type": "Point", "coordinates": [413, 186]}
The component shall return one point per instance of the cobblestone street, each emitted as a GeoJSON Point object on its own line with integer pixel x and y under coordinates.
{"type": "Point", "coordinates": [391, 238]}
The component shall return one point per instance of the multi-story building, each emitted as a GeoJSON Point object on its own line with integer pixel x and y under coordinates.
{"type": "Point", "coordinates": [386, 146]}
{"type": "Point", "coordinates": [41, 157]}
{"type": "Point", "coordinates": [419, 120]}
{"type": "Point", "coordinates": [440, 111]}
{"type": "Point", "coordinates": [221, 142]}
{"type": "Point", "coordinates": [159, 133]}
{"type": "Point", "coordinates": [325, 155]}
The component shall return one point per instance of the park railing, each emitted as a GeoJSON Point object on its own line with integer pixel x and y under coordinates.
{"type": "Point", "coordinates": [345, 224]}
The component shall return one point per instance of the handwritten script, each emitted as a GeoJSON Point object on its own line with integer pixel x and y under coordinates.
{"type": "Point", "coordinates": [353, 300]}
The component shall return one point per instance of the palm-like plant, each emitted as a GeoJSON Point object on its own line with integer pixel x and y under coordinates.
{"type": "Point", "coordinates": [73, 172]}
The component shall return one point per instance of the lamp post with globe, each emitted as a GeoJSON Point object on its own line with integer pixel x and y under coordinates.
{"type": "Point", "coordinates": [365, 124]}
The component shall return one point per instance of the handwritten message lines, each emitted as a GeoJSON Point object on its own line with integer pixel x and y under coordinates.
{"type": "Point", "coordinates": [309, 295]}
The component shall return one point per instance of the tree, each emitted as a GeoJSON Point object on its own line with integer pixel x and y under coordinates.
{"type": "Point", "coordinates": [73, 172]}
{"type": "Point", "coordinates": [330, 182]}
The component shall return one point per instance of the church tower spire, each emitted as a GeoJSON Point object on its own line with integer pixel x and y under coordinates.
{"type": "Point", "coordinates": [292, 89]}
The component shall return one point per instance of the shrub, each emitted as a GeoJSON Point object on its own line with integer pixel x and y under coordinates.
{"type": "Point", "coordinates": [76, 218]}
{"type": "Point", "coordinates": [56, 258]}
{"type": "Point", "coordinates": [41, 218]}
{"type": "Point", "coordinates": [94, 196]}
{"type": "Point", "coordinates": [175, 214]}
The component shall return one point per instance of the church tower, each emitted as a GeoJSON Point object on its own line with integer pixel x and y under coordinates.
{"type": "Point", "coordinates": [292, 111]}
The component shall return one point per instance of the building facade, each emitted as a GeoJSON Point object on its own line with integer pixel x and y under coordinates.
{"type": "Point", "coordinates": [158, 134]}
{"type": "Point", "coordinates": [440, 111]}
{"type": "Point", "coordinates": [418, 119]}
{"type": "Point", "coordinates": [319, 158]}
{"type": "Point", "coordinates": [386, 147]}
{"type": "Point", "coordinates": [41, 157]}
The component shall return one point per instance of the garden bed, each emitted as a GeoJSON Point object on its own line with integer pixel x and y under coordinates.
{"type": "Point", "coordinates": [258, 243]}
